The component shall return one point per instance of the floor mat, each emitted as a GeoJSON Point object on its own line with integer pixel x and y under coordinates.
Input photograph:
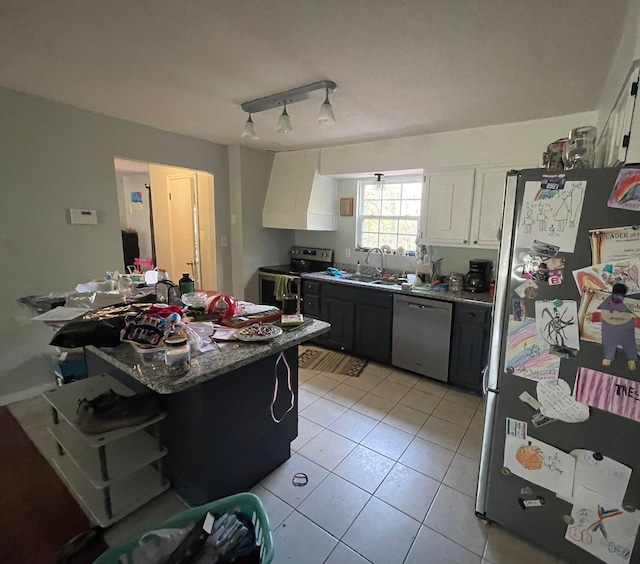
{"type": "Point", "coordinates": [331, 361]}
{"type": "Point", "coordinates": [38, 515]}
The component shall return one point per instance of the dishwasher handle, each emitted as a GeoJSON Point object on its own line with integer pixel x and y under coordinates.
{"type": "Point", "coordinates": [415, 305]}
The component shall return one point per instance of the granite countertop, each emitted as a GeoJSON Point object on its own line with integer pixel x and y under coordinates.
{"type": "Point", "coordinates": [207, 365]}
{"type": "Point", "coordinates": [482, 299]}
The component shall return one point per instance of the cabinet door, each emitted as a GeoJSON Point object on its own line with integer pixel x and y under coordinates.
{"type": "Point", "coordinates": [373, 332]}
{"type": "Point", "coordinates": [469, 346]}
{"type": "Point", "coordinates": [447, 207]}
{"type": "Point", "coordinates": [488, 203]}
{"type": "Point", "coordinates": [341, 315]}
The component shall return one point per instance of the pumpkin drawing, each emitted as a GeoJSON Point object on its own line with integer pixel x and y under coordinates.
{"type": "Point", "coordinates": [530, 457]}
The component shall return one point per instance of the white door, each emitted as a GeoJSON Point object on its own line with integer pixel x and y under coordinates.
{"type": "Point", "coordinates": [447, 207]}
{"type": "Point", "coordinates": [183, 243]}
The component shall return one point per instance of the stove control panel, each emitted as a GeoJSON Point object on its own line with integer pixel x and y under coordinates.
{"type": "Point", "coordinates": [311, 254]}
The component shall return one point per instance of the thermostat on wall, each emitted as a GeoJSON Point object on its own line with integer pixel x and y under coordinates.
{"type": "Point", "coordinates": [83, 216]}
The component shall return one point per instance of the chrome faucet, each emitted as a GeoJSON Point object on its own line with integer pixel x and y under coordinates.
{"type": "Point", "coordinates": [379, 269]}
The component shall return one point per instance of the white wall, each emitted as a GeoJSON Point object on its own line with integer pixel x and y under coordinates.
{"type": "Point", "coordinates": [56, 157]}
{"type": "Point", "coordinates": [516, 145]}
{"type": "Point", "coordinates": [253, 246]}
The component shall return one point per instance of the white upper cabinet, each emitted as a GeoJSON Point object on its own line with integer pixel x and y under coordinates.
{"type": "Point", "coordinates": [446, 216]}
{"type": "Point", "coordinates": [488, 198]}
{"type": "Point", "coordinates": [463, 208]}
{"type": "Point", "coordinates": [298, 197]}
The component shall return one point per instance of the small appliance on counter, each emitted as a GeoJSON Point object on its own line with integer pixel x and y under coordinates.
{"type": "Point", "coordinates": [478, 278]}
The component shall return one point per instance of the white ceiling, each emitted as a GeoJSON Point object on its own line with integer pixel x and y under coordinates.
{"type": "Point", "coordinates": [403, 67]}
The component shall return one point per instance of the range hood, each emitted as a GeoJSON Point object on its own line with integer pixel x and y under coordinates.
{"type": "Point", "coordinates": [298, 197]}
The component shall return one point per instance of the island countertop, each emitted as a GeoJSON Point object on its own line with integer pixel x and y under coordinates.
{"type": "Point", "coordinates": [207, 365]}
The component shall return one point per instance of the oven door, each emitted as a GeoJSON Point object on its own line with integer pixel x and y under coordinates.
{"type": "Point", "coordinates": [267, 283]}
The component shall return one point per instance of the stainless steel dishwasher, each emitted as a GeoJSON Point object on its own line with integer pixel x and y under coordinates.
{"type": "Point", "coordinates": [422, 335]}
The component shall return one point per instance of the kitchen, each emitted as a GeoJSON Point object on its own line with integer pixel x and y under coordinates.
{"type": "Point", "coordinates": [55, 167]}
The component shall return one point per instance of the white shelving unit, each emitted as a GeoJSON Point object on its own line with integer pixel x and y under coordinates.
{"type": "Point", "coordinates": [110, 474]}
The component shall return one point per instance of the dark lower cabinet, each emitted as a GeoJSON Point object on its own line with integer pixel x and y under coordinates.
{"type": "Point", "coordinates": [341, 315]}
{"type": "Point", "coordinates": [373, 337]}
{"type": "Point", "coordinates": [469, 345]}
{"type": "Point", "coordinates": [360, 318]}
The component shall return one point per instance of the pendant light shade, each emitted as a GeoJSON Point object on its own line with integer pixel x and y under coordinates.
{"type": "Point", "coordinates": [249, 131]}
{"type": "Point", "coordinates": [284, 122]}
{"type": "Point", "coordinates": [326, 117]}
{"type": "Point", "coordinates": [379, 180]}
{"type": "Point", "coordinates": [292, 96]}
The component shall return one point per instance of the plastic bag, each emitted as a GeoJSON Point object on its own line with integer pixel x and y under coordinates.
{"type": "Point", "coordinates": [96, 332]}
{"type": "Point", "coordinates": [154, 546]}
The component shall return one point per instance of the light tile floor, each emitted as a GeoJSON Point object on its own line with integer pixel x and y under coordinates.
{"type": "Point", "coordinates": [392, 462]}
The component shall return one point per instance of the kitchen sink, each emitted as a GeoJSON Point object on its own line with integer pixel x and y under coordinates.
{"type": "Point", "coordinates": [361, 278]}
{"type": "Point", "coordinates": [373, 280]}
{"type": "Point", "coordinates": [386, 282]}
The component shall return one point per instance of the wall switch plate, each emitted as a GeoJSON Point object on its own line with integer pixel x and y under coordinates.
{"type": "Point", "coordinates": [83, 217]}
{"type": "Point", "coordinates": [347, 253]}
{"type": "Point", "coordinates": [224, 241]}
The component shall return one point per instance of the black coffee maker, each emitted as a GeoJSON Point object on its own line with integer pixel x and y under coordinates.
{"type": "Point", "coordinates": [479, 276]}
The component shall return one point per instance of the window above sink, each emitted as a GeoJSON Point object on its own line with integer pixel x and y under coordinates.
{"type": "Point", "coordinates": [389, 215]}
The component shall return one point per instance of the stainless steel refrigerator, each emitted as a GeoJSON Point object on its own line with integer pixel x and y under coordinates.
{"type": "Point", "coordinates": [560, 461]}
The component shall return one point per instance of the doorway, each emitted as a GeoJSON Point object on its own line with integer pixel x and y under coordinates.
{"type": "Point", "coordinates": [171, 211]}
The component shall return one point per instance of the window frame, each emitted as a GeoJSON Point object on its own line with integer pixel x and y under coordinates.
{"type": "Point", "coordinates": [361, 216]}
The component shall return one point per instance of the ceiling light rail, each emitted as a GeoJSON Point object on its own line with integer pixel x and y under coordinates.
{"type": "Point", "coordinates": [326, 116]}
{"type": "Point", "coordinates": [287, 97]}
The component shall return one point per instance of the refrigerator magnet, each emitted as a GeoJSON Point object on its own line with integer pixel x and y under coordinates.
{"type": "Point", "coordinates": [527, 289]}
{"type": "Point", "coordinates": [540, 420]}
{"type": "Point", "coordinates": [544, 249]}
{"type": "Point", "coordinates": [519, 309]}
{"type": "Point", "coordinates": [552, 182]}
{"type": "Point", "coordinates": [528, 503]}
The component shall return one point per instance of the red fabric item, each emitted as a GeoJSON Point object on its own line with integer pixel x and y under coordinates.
{"type": "Point", "coordinates": [165, 311]}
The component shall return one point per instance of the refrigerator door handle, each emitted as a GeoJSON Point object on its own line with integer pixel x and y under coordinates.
{"type": "Point", "coordinates": [483, 475]}
{"type": "Point", "coordinates": [485, 384]}
{"type": "Point", "coordinates": [502, 282]}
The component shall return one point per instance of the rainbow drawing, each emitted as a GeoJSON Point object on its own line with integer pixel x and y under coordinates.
{"type": "Point", "coordinates": [524, 357]}
{"type": "Point", "coordinates": [626, 190]}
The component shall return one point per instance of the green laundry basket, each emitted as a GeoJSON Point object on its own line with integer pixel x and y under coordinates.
{"type": "Point", "coordinates": [245, 502]}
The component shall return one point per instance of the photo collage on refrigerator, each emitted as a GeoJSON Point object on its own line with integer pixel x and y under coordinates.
{"type": "Point", "coordinates": [542, 333]}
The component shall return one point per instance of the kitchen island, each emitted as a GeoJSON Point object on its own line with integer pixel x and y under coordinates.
{"type": "Point", "coordinates": [224, 430]}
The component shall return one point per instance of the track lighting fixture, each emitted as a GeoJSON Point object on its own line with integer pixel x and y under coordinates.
{"type": "Point", "coordinates": [326, 116]}
{"type": "Point", "coordinates": [249, 131]}
{"type": "Point", "coordinates": [284, 122]}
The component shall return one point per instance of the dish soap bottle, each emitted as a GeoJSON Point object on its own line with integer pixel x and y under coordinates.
{"type": "Point", "coordinates": [358, 268]}
{"type": "Point", "coordinates": [186, 284]}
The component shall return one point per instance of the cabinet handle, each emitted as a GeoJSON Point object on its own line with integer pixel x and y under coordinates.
{"type": "Point", "coordinates": [475, 242]}
{"type": "Point", "coordinates": [471, 314]}
{"type": "Point", "coordinates": [465, 241]}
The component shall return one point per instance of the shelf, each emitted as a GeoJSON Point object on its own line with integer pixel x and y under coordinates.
{"type": "Point", "coordinates": [123, 458]}
{"type": "Point", "coordinates": [64, 400]}
{"type": "Point", "coordinates": [127, 495]}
